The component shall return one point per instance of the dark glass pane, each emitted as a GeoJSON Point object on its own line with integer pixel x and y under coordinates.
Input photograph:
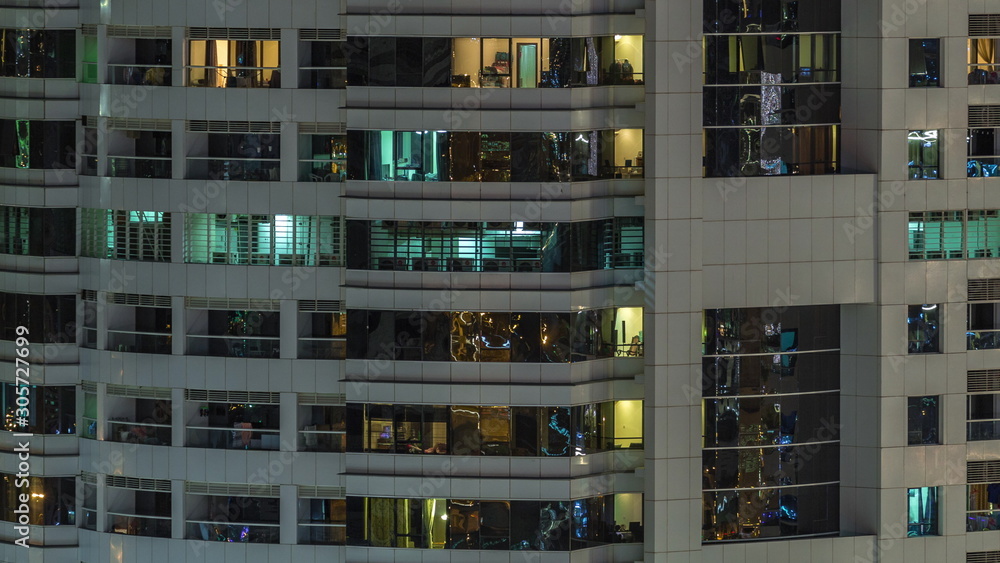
{"type": "Point", "coordinates": [922, 421]}
{"type": "Point", "coordinates": [925, 62]}
{"type": "Point", "coordinates": [356, 52]}
{"type": "Point", "coordinates": [771, 467]}
{"type": "Point", "coordinates": [771, 374]}
{"type": "Point", "coordinates": [526, 157]}
{"type": "Point", "coordinates": [555, 330]}
{"type": "Point", "coordinates": [525, 427]}
{"type": "Point", "coordinates": [770, 420]}
{"type": "Point", "coordinates": [436, 336]}
{"type": "Point", "coordinates": [464, 156]}
{"type": "Point", "coordinates": [525, 339]}
{"type": "Point", "coordinates": [381, 335]}
{"type": "Point", "coordinates": [437, 62]}
{"type": "Point", "coordinates": [525, 524]}
{"type": "Point", "coordinates": [409, 61]}
{"type": "Point", "coordinates": [494, 520]}
{"type": "Point", "coordinates": [772, 330]}
{"type": "Point", "coordinates": [382, 61]}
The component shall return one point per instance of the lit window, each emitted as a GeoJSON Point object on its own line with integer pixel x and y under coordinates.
{"type": "Point", "coordinates": [922, 512]}
{"type": "Point", "coordinates": [923, 329]}
{"type": "Point", "coordinates": [923, 155]}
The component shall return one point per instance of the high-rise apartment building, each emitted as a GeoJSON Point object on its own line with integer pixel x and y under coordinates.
{"type": "Point", "coordinates": [670, 281]}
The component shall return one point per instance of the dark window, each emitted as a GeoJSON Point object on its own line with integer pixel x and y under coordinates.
{"type": "Point", "coordinates": [37, 232]}
{"type": "Point", "coordinates": [50, 319]}
{"type": "Point", "coordinates": [925, 62]}
{"type": "Point", "coordinates": [38, 53]}
{"type": "Point", "coordinates": [923, 420]}
{"type": "Point", "coordinates": [37, 144]}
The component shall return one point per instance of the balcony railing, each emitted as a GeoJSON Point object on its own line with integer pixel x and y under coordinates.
{"type": "Point", "coordinates": [251, 532]}
{"type": "Point", "coordinates": [323, 440]}
{"type": "Point", "coordinates": [148, 433]}
{"type": "Point", "coordinates": [141, 342]}
{"type": "Point", "coordinates": [140, 75]}
{"type": "Point", "coordinates": [234, 438]}
{"type": "Point", "coordinates": [233, 347]}
{"type": "Point", "coordinates": [134, 525]}
{"type": "Point", "coordinates": [317, 533]}
{"type": "Point", "coordinates": [322, 77]}
{"type": "Point", "coordinates": [140, 167]}
{"type": "Point", "coordinates": [325, 348]}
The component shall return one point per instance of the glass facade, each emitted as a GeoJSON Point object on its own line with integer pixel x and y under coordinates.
{"type": "Point", "coordinates": [924, 160]}
{"type": "Point", "coordinates": [53, 408]}
{"type": "Point", "coordinates": [50, 319]}
{"type": "Point", "coordinates": [922, 511]}
{"type": "Point", "coordinates": [771, 410]}
{"type": "Point", "coordinates": [441, 156]}
{"type": "Point", "coordinates": [37, 231]}
{"type": "Point", "coordinates": [948, 235]}
{"type": "Point", "coordinates": [468, 336]}
{"type": "Point", "coordinates": [922, 420]}
{"type": "Point", "coordinates": [494, 430]}
{"type": "Point", "coordinates": [771, 100]}
{"type": "Point", "coordinates": [37, 53]}
{"type": "Point", "coordinates": [508, 525]}
{"type": "Point", "coordinates": [279, 240]}
{"type": "Point", "coordinates": [496, 247]}
{"type": "Point", "coordinates": [495, 62]}
{"type": "Point", "coordinates": [923, 329]}
{"type": "Point", "coordinates": [37, 144]}
{"type": "Point", "coordinates": [925, 63]}
{"type": "Point", "coordinates": [52, 500]}
{"type": "Point", "coordinates": [222, 63]}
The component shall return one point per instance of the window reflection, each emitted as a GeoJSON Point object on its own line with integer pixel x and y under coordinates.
{"type": "Point", "coordinates": [770, 391]}
{"type": "Point", "coordinates": [37, 144]}
{"type": "Point", "coordinates": [468, 336]}
{"type": "Point", "coordinates": [53, 409]}
{"type": "Point", "coordinates": [923, 329]}
{"type": "Point", "coordinates": [547, 525]}
{"type": "Point", "coordinates": [496, 62]}
{"type": "Point", "coordinates": [36, 231]}
{"type": "Point", "coordinates": [434, 156]}
{"type": "Point", "coordinates": [37, 53]}
{"type": "Point", "coordinates": [52, 500]}
{"type": "Point", "coordinates": [494, 430]}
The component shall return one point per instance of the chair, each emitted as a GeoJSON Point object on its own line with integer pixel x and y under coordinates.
{"type": "Point", "coordinates": [634, 347]}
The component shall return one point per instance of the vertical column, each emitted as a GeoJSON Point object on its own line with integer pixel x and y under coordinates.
{"type": "Point", "coordinates": [102, 505]}
{"type": "Point", "coordinates": [673, 285]}
{"type": "Point", "coordinates": [178, 57]}
{"type": "Point", "coordinates": [289, 58]}
{"type": "Point", "coordinates": [289, 421]}
{"type": "Point", "coordinates": [178, 148]}
{"type": "Point", "coordinates": [102, 320]}
{"type": "Point", "coordinates": [177, 418]}
{"type": "Point", "coordinates": [178, 330]}
{"type": "Point", "coordinates": [289, 328]}
{"type": "Point", "coordinates": [289, 152]}
{"type": "Point", "coordinates": [177, 508]}
{"type": "Point", "coordinates": [288, 505]}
